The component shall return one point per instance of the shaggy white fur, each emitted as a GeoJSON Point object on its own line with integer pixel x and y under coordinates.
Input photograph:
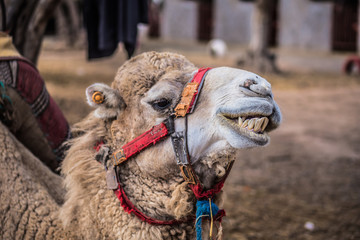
{"type": "Point", "coordinates": [30, 193]}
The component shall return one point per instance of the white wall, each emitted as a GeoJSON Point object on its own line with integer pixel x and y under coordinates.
{"type": "Point", "coordinates": [305, 24]}
{"type": "Point", "coordinates": [179, 20]}
{"type": "Point", "coordinates": [232, 21]}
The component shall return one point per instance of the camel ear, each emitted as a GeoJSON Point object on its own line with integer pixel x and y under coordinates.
{"type": "Point", "coordinates": [107, 101]}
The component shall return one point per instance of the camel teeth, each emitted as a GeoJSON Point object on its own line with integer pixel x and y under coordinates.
{"type": "Point", "coordinates": [240, 121]}
{"type": "Point", "coordinates": [251, 123]}
{"type": "Point", "coordinates": [255, 124]}
{"type": "Point", "coordinates": [265, 123]}
{"type": "Point", "coordinates": [258, 124]}
{"type": "Point", "coordinates": [245, 123]}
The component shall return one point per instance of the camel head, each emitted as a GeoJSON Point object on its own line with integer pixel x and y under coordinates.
{"type": "Point", "coordinates": [235, 109]}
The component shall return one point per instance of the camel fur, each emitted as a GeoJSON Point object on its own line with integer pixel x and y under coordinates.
{"type": "Point", "coordinates": [145, 90]}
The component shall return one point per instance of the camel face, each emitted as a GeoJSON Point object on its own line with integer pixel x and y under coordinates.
{"type": "Point", "coordinates": [235, 109]}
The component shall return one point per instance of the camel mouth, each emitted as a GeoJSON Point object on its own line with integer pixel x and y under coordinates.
{"type": "Point", "coordinates": [254, 127]}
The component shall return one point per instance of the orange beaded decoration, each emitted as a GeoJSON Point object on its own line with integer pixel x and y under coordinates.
{"type": "Point", "coordinates": [98, 97]}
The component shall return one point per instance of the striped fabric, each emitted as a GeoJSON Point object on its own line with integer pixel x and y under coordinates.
{"type": "Point", "coordinates": [21, 75]}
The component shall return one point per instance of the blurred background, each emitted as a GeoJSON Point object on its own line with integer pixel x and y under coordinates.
{"type": "Point", "coordinates": [306, 183]}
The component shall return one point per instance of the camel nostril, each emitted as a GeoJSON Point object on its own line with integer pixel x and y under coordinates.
{"type": "Point", "coordinates": [258, 86]}
{"type": "Point", "coordinates": [248, 83]}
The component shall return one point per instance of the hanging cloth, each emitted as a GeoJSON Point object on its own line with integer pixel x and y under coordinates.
{"type": "Point", "coordinates": [109, 22]}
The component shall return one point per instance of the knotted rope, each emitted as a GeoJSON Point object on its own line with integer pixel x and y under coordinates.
{"type": "Point", "coordinates": [206, 208]}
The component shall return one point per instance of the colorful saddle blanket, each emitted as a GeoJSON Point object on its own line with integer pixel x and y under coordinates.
{"type": "Point", "coordinates": [21, 77]}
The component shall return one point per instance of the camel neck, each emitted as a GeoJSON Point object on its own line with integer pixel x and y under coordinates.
{"type": "Point", "coordinates": [155, 197]}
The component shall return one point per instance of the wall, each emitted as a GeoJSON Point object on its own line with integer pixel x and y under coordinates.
{"type": "Point", "coordinates": [358, 37]}
{"type": "Point", "coordinates": [305, 24]}
{"type": "Point", "coordinates": [232, 21]}
{"type": "Point", "coordinates": [179, 20]}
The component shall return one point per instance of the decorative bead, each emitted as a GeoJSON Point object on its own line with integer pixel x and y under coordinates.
{"type": "Point", "coordinates": [98, 97]}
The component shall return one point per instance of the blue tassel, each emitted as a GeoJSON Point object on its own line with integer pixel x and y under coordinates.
{"type": "Point", "coordinates": [203, 210]}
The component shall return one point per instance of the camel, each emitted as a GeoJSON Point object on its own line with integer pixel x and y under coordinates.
{"type": "Point", "coordinates": [234, 109]}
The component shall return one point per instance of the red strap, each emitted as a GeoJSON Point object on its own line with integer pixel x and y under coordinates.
{"type": "Point", "coordinates": [201, 194]}
{"type": "Point", "coordinates": [152, 136]}
{"type": "Point", "coordinates": [198, 78]}
{"type": "Point", "coordinates": [130, 208]}
{"type": "Point", "coordinates": [149, 137]}
{"type": "Point", "coordinates": [221, 213]}
{"type": "Point", "coordinates": [199, 75]}
{"type": "Point", "coordinates": [98, 145]}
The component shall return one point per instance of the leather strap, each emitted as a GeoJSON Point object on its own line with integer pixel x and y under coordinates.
{"type": "Point", "coordinates": [191, 93]}
{"type": "Point", "coordinates": [186, 106]}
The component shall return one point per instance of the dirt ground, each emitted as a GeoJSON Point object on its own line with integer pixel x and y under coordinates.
{"type": "Point", "coordinates": [304, 185]}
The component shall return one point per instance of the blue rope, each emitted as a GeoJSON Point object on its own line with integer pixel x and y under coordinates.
{"type": "Point", "coordinates": [3, 93]}
{"type": "Point", "coordinates": [203, 210]}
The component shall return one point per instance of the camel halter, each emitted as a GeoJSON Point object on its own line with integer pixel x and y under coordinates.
{"type": "Point", "coordinates": [165, 129]}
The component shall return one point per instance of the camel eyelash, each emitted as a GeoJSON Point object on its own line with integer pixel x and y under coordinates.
{"type": "Point", "coordinates": [161, 104]}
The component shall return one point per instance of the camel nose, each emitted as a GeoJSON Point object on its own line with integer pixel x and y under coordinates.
{"type": "Point", "coordinates": [258, 85]}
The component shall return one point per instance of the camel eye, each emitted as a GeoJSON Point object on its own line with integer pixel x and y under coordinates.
{"type": "Point", "coordinates": [161, 104]}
